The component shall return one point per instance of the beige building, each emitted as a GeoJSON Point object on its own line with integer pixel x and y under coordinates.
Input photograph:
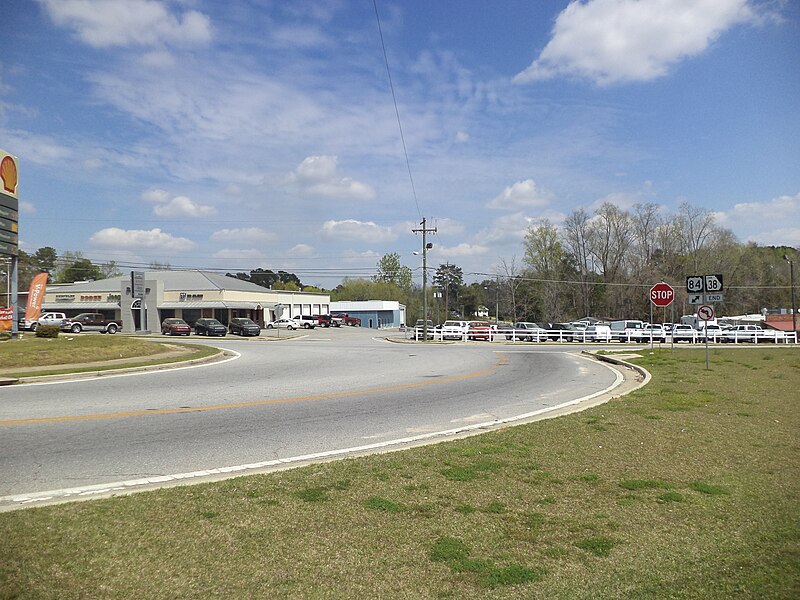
{"type": "Point", "coordinates": [189, 295]}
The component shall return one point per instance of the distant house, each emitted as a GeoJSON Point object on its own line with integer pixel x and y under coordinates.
{"type": "Point", "coordinates": [482, 312]}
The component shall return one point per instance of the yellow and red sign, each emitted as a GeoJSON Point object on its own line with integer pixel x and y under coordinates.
{"type": "Point", "coordinates": [6, 317]}
{"type": "Point", "coordinates": [36, 297]}
{"type": "Point", "coordinates": [9, 174]}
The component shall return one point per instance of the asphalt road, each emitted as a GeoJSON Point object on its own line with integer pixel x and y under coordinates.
{"type": "Point", "coordinates": [333, 390]}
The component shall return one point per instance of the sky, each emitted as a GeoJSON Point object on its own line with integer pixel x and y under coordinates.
{"type": "Point", "coordinates": [263, 134]}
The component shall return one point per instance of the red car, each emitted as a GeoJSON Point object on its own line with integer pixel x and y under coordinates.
{"type": "Point", "coordinates": [479, 330]}
{"type": "Point", "coordinates": [175, 327]}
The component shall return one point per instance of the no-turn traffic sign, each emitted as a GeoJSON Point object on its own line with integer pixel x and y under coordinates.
{"type": "Point", "coordinates": [705, 312]}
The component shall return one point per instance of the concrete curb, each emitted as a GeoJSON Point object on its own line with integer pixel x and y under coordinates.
{"type": "Point", "coordinates": [220, 355]}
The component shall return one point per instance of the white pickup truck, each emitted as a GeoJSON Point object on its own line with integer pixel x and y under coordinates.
{"type": "Point", "coordinates": [48, 318]}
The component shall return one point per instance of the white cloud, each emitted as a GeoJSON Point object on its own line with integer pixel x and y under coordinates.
{"type": "Point", "coordinates": [611, 41]}
{"type": "Point", "coordinates": [245, 235]}
{"type": "Point", "coordinates": [106, 23]}
{"type": "Point", "coordinates": [774, 222]}
{"type": "Point", "coordinates": [177, 206]}
{"type": "Point", "coordinates": [240, 254]}
{"type": "Point", "coordinates": [317, 176]}
{"type": "Point", "coordinates": [463, 249]}
{"type": "Point", "coordinates": [625, 200]}
{"type": "Point", "coordinates": [352, 230]}
{"type": "Point", "coordinates": [301, 251]}
{"type": "Point", "coordinates": [27, 207]}
{"type": "Point", "coordinates": [520, 195]}
{"type": "Point", "coordinates": [462, 137]}
{"type": "Point", "coordinates": [155, 239]}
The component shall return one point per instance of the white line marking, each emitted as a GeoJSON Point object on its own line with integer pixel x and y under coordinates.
{"type": "Point", "coordinates": [131, 485]}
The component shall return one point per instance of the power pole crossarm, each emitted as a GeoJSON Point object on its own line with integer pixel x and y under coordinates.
{"type": "Point", "coordinates": [424, 230]}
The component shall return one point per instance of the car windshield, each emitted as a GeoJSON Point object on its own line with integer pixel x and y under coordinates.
{"type": "Point", "coordinates": [244, 322]}
{"type": "Point", "coordinates": [175, 322]}
{"type": "Point", "coordinates": [451, 324]}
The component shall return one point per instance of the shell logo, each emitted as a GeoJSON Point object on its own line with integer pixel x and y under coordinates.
{"type": "Point", "coordinates": [8, 173]}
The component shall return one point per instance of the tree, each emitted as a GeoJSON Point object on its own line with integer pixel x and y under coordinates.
{"type": "Point", "coordinates": [45, 259]}
{"type": "Point", "coordinates": [391, 271]}
{"type": "Point", "coordinates": [81, 269]}
{"type": "Point", "coordinates": [544, 256]}
{"type": "Point", "coordinates": [449, 278]}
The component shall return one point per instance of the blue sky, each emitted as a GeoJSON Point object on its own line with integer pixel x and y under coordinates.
{"type": "Point", "coordinates": [244, 134]}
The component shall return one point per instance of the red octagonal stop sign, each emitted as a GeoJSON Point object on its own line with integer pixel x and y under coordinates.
{"type": "Point", "coordinates": [662, 294]}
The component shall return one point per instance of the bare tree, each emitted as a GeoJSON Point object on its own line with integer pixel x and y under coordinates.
{"type": "Point", "coordinates": [576, 242]}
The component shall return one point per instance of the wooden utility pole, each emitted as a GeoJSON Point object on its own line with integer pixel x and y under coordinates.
{"type": "Point", "coordinates": [425, 247]}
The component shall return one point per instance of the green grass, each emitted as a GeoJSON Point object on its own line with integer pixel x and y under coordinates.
{"type": "Point", "coordinates": [49, 356]}
{"type": "Point", "coordinates": [698, 503]}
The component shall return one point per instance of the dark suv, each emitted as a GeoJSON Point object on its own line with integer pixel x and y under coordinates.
{"type": "Point", "coordinates": [209, 327]}
{"type": "Point", "coordinates": [243, 326]}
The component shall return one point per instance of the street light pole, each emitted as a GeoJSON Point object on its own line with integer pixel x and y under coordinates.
{"type": "Point", "coordinates": [791, 286]}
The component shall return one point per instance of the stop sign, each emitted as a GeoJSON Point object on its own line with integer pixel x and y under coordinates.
{"type": "Point", "coordinates": [662, 294]}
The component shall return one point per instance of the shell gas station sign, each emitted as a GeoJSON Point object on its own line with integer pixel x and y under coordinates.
{"type": "Point", "coordinates": [9, 204]}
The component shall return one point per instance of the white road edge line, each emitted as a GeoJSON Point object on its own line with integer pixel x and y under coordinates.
{"type": "Point", "coordinates": [131, 485]}
{"type": "Point", "coordinates": [234, 355]}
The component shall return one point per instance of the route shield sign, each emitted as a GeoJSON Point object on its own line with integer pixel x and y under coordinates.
{"type": "Point", "coordinates": [713, 283]}
{"type": "Point", "coordinates": [695, 284]}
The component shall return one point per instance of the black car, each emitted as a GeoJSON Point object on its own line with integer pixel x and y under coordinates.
{"type": "Point", "coordinates": [243, 326]}
{"type": "Point", "coordinates": [209, 327]}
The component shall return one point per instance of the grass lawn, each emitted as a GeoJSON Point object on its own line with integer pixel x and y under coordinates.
{"type": "Point", "coordinates": [688, 488]}
{"type": "Point", "coordinates": [85, 348]}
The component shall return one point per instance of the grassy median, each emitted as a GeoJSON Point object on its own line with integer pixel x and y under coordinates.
{"type": "Point", "coordinates": [75, 353]}
{"type": "Point", "coordinates": [687, 488]}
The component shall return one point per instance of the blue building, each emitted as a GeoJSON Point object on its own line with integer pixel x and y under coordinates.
{"type": "Point", "coordinates": [375, 314]}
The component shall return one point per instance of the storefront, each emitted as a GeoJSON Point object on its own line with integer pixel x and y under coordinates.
{"type": "Point", "coordinates": [189, 295]}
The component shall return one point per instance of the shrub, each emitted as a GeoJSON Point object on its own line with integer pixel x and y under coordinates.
{"type": "Point", "coordinates": [47, 331]}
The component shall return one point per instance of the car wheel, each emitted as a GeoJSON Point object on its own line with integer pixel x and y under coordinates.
{"type": "Point", "coordinates": [76, 328]}
{"type": "Point", "coordinates": [112, 329]}
{"type": "Point", "coordinates": [269, 326]}
{"type": "Point", "coordinates": [34, 326]}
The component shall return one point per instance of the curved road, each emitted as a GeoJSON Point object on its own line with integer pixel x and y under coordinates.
{"type": "Point", "coordinates": [332, 390]}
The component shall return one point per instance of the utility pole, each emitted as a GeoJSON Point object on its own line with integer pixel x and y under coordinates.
{"type": "Point", "coordinates": [791, 284]}
{"type": "Point", "coordinates": [425, 247]}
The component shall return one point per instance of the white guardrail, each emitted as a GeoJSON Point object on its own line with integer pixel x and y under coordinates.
{"type": "Point", "coordinates": [566, 336]}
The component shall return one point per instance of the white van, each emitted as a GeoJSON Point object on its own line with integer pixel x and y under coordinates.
{"type": "Point", "coordinates": [597, 333]}
{"type": "Point", "coordinates": [628, 330]}
{"type": "Point", "coordinates": [454, 330]}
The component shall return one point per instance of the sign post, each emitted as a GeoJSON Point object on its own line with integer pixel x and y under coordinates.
{"type": "Point", "coordinates": [706, 314]}
{"type": "Point", "coordinates": [661, 295]}
{"type": "Point", "coordinates": [9, 230]}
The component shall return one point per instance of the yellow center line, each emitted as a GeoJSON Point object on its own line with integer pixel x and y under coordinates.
{"type": "Point", "coordinates": [502, 361]}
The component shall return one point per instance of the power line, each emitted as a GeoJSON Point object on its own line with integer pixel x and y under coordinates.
{"type": "Point", "coordinates": [396, 110]}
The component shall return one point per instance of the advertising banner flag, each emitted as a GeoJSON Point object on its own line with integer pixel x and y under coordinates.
{"type": "Point", "coordinates": [6, 315]}
{"type": "Point", "coordinates": [36, 297]}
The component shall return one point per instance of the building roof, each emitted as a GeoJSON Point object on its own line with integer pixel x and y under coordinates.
{"type": "Point", "coordinates": [173, 281]}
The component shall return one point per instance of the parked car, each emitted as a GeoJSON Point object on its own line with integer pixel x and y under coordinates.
{"type": "Point", "coordinates": [48, 318]}
{"type": "Point", "coordinates": [454, 330]}
{"type": "Point", "coordinates": [91, 322]}
{"type": "Point", "coordinates": [713, 332]}
{"type": "Point", "coordinates": [628, 330]}
{"type": "Point", "coordinates": [654, 331]}
{"type": "Point", "coordinates": [283, 324]}
{"type": "Point", "coordinates": [209, 327]}
{"type": "Point", "coordinates": [684, 333]}
{"type": "Point", "coordinates": [305, 321]}
{"type": "Point", "coordinates": [559, 332]}
{"type": "Point", "coordinates": [175, 327]}
{"type": "Point", "coordinates": [597, 333]}
{"type": "Point", "coordinates": [348, 320]}
{"type": "Point", "coordinates": [419, 329]}
{"type": "Point", "coordinates": [479, 330]}
{"type": "Point", "coordinates": [744, 333]}
{"type": "Point", "coordinates": [524, 330]}
{"type": "Point", "coordinates": [244, 326]}
{"type": "Point", "coordinates": [328, 321]}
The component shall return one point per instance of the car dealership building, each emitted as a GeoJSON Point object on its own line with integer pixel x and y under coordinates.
{"type": "Point", "coordinates": [188, 295]}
